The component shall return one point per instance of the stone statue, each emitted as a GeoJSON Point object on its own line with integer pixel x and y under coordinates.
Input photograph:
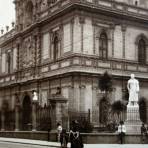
{"type": "Point", "coordinates": [133, 89]}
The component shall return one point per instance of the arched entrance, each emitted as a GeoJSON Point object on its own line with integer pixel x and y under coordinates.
{"type": "Point", "coordinates": [26, 113]}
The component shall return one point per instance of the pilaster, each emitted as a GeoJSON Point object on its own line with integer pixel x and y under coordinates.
{"type": "Point", "coordinates": [82, 97]}
{"type": "Point", "coordinates": [94, 35]}
{"type": "Point", "coordinates": [34, 116]}
{"type": "Point", "coordinates": [82, 21]}
{"type": "Point", "coordinates": [72, 33]}
{"type": "Point", "coordinates": [112, 27]}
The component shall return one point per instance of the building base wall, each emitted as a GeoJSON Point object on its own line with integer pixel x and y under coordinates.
{"type": "Point", "coordinates": [92, 138]}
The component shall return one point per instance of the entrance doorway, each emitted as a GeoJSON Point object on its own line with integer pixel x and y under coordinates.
{"type": "Point", "coordinates": [26, 114]}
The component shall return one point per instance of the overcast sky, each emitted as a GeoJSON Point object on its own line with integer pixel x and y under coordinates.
{"type": "Point", "coordinates": [7, 13]}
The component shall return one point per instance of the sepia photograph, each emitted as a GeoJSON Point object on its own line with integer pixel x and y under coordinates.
{"type": "Point", "coordinates": [73, 73]}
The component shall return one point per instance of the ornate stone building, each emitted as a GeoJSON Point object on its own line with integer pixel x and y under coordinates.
{"type": "Point", "coordinates": [62, 47]}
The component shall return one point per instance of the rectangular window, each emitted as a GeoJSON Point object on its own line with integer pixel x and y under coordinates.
{"type": "Point", "coordinates": [8, 62]}
{"type": "Point", "coordinates": [3, 63]}
{"type": "Point", "coordinates": [14, 59]}
{"type": "Point", "coordinates": [45, 46]}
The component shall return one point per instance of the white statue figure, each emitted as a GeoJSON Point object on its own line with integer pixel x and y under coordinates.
{"type": "Point", "coordinates": [35, 97]}
{"type": "Point", "coordinates": [133, 89]}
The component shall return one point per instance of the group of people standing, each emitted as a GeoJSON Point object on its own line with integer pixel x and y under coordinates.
{"type": "Point", "coordinates": [73, 136]}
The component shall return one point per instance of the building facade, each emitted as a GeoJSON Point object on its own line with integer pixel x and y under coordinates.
{"type": "Point", "coordinates": [61, 47]}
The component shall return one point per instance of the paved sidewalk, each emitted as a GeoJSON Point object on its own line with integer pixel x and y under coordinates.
{"type": "Point", "coordinates": [31, 142]}
{"type": "Point", "coordinates": [57, 145]}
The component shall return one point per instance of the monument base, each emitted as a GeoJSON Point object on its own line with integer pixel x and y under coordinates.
{"type": "Point", "coordinates": [133, 122]}
{"type": "Point", "coordinates": [134, 128]}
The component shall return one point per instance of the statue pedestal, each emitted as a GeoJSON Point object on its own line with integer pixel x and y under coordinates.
{"type": "Point", "coordinates": [133, 122]}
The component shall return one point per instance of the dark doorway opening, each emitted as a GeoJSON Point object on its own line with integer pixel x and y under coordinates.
{"type": "Point", "coordinates": [27, 114]}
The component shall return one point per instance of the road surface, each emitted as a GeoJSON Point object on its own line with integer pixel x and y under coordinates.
{"type": "Point", "coordinates": [19, 145]}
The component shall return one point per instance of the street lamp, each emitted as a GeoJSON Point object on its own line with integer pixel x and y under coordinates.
{"type": "Point", "coordinates": [35, 96]}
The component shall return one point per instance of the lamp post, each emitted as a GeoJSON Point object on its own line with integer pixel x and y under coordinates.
{"type": "Point", "coordinates": [34, 108]}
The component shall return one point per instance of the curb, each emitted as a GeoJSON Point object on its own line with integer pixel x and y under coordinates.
{"type": "Point", "coordinates": [29, 143]}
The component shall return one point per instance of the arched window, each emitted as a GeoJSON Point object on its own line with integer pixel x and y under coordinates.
{"type": "Point", "coordinates": [55, 47]}
{"type": "Point", "coordinates": [141, 51]}
{"type": "Point", "coordinates": [103, 46]}
{"type": "Point", "coordinates": [29, 13]}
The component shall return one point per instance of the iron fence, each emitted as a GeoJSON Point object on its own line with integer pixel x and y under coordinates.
{"type": "Point", "coordinates": [43, 118]}
{"type": "Point", "coordinates": [47, 119]}
{"type": "Point", "coordinates": [83, 119]}
{"type": "Point", "coordinates": [9, 121]}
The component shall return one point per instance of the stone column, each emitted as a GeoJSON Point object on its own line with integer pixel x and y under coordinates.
{"type": "Point", "coordinates": [17, 117]}
{"type": "Point", "coordinates": [2, 120]}
{"type": "Point", "coordinates": [34, 116]}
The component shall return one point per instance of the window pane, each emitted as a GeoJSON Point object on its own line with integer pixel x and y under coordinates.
{"type": "Point", "coordinates": [45, 46]}
{"type": "Point", "coordinates": [3, 62]}
{"type": "Point", "coordinates": [56, 48]}
{"type": "Point", "coordinates": [141, 51]}
{"type": "Point", "coordinates": [103, 45]}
